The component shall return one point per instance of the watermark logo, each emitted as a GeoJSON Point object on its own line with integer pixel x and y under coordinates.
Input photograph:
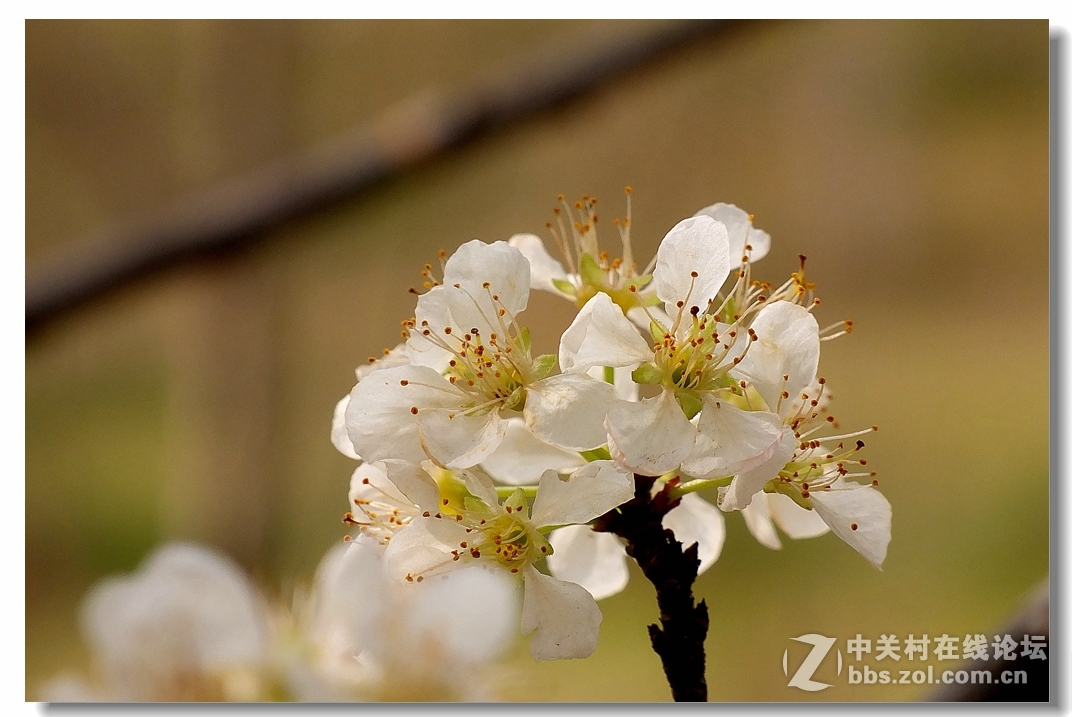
{"type": "Point", "coordinates": [802, 678]}
{"type": "Point", "coordinates": [982, 661]}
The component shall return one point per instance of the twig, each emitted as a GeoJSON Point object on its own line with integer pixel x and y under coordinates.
{"type": "Point", "coordinates": [234, 213]}
{"type": "Point", "coordinates": [672, 570]}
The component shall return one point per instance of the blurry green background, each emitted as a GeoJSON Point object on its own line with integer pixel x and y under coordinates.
{"type": "Point", "coordinates": [908, 160]}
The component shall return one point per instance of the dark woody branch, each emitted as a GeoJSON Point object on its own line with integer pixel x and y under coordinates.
{"type": "Point", "coordinates": [672, 570]}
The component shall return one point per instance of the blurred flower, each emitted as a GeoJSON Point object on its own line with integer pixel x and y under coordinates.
{"type": "Point", "coordinates": [363, 636]}
{"type": "Point", "coordinates": [466, 329]}
{"type": "Point", "coordinates": [186, 626]}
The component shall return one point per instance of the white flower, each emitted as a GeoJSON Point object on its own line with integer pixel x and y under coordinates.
{"type": "Point", "coordinates": [779, 371]}
{"type": "Point", "coordinates": [339, 438]}
{"type": "Point", "coordinates": [467, 328]}
{"type": "Point", "coordinates": [364, 636]}
{"type": "Point", "coordinates": [858, 514]}
{"type": "Point", "coordinates": [377, 507]}
{"type": "Point", "coordinates": [592, 271]}
{"type": "Point", "coordinates": [697, 521]}
{"type": "Point", "coordinates": [803, 490]}
{"type": "Point", "coordinates": [187, 625]}
{"type": "Point", "coordinates": [690, 362]}
{"type": "Point", "coordinates": [472, 526]}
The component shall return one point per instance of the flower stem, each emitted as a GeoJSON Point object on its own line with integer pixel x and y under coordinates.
{"type": "Point", "coordinates": [698, 484]}
{"type": "Point", "coordinates": [505, 491]}
{"type": "Point", "coordinates": [672, 570]}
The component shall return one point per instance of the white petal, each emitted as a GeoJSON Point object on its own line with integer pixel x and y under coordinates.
{"type": "Point", "coordinates": [460, 309]}
{"type": "Point", "coordinates": [700, 245]}
{"type": "Point", "coordinates": [395, 357]}
{"type": "Point", "coordinates": [695, 520]}
{"type": "Point", "coordinates": [370, 482]}
{"type": "Point", "coordinates": [758, 519]}
{"type": "Point", "coordinates": [595, 561]}
{"type": "Point", "coordinates": [740, 230]}
{"type": "Point", "coordinates": [600, 335]}
{"type": "Point", "coordinates": [479, 484]}
{"type": "Point", "coordinates": [585, 494]}
{"type": "Point", "coordinates": [564, 615]}
{"type": "Point", "coordinates": [625, 388]}
{"type": "Point", "coordinates": [568, 410]}
{"type": "Point", "coordinates": [788, 344]}
{"type": "Point", "coordinates": [433, 307]}
{"type": "Point", "coordinates": [456, 440]}
{"type": "Point", "coordinates": [521, 457]}
{"type": "Point", "coordinates": [650, 437]}
{"type": "Point", "coordinates": [470, 614]}
{"type": "Point", "coordinates": [423, 545]}
{"type": "Point", "coordinates": [849, 504]}
{"type": "Point", "coordinates": [739, 493]}
{"type": "Point", "coordinates": [730, 440]}
{"type": "Point", "coordinates": [379, 417]}
{"type": "Point", "coordinates": [413, 482]}
{"type": "Point", "coordinates": [543, 268]}
{"type": "Point", "coordinates": [796, 522]}
{"type": "Point", "coordinates": [339, 437]}
{"type": "Point", "coordinates": [348, 596]}
{"type": "Point", "coordinates": [499, 264]}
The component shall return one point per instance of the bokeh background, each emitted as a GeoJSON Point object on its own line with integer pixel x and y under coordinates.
{"type": "Point", "coordinates": [908, 160]}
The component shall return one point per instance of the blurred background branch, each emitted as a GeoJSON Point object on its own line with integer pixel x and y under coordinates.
{"type": "Point", "coordinates": [240, 210]}
{"type": "Point", "coordinates": [1031, 619]}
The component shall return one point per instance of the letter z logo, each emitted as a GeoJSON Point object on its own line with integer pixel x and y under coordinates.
{"type": "Point", "coordinates": [801, 679]}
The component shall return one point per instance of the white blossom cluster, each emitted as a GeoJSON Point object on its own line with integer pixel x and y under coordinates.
{"type": "Point", "coordinates": [482, 467]}
{"type": "Point", "coordinates": [189, 626]}
{"type": "Point", "coordinates": [476, 451]}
